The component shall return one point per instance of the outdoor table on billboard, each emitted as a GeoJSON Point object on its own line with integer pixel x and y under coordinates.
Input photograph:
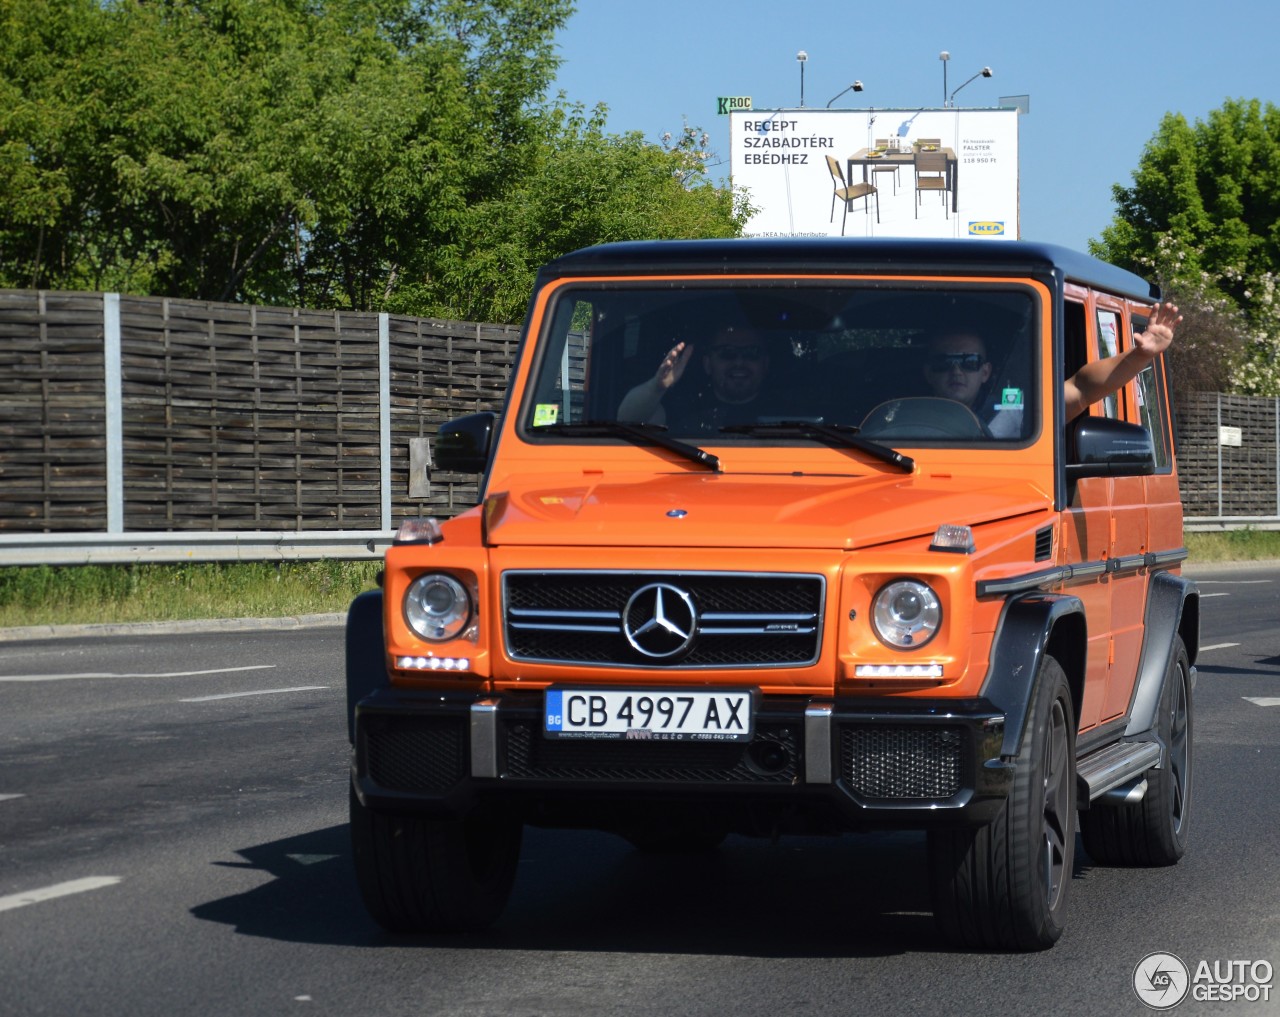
{"type": "Point", "coordinates": [780, 158]}
{"type": "Point", "coordinates": [905, 158]}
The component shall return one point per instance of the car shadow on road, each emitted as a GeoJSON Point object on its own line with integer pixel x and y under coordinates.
{"type": "Point", "coordinates": [864, 895]}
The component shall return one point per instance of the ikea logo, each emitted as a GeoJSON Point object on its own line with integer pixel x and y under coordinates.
{"type": "Point", "coordinates": [986, 229]}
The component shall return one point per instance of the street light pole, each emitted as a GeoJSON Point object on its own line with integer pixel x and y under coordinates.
{"type": "Point", "coordinates": [856, 87]}
{"type": "Point", "coordinates": [802, 56]}
{"type": "Point", "coordinates": [986, 72]}
{"type": "Point", "coordinates": [944, 56]}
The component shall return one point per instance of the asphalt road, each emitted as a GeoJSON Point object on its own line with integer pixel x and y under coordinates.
{"type": "Point", "coordinates": [173, 841]}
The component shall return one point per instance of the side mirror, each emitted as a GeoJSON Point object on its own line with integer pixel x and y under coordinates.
{"type": "Point", "coordinates": [463, 445]}
{"type": "Point", "coordinates": [1102, 447]}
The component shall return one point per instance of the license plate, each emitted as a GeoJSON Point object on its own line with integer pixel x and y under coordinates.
{"type": "Point", "coordinates": [719, 715]}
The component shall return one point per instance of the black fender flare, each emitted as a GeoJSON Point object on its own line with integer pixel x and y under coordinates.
{"type": "Point", "coordinates": [366, 653]}
{"type": "Point", "coordinates": [1173, 608]}
{"type": "Point", "coordinates": [1023, 637]}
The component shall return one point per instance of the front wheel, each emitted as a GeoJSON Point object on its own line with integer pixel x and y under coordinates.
{"type": "Point", "coordinates": [1004, 886]}
{"type": "Point", "coordinates": [432, 875]}
{"type": "Point", "coordinates": [1152, 831]}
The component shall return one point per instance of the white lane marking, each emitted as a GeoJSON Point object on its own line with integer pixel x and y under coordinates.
{"type": "Point", "coordinates": [1218, 646]}
{"type": "Point", "coordinates": [311, 859]}
{"type": "Point", "coordinates": [127, 674]}
{"type": "Point", "coordinates": [1232, 582]}
{"type": "Point", "coordinates": [1262, 700]}
{"type": "Point", "coordinates": [258, 692]}
{"type": "Point", "coordinates": [21, 900]}
{"type": "Point", "coordinates": [5, 798]}
{"type": "Point", "coordinates": [1206, 596]}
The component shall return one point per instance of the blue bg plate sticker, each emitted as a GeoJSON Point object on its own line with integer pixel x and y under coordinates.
{"type": "Point", "coordinates": [720, 715]}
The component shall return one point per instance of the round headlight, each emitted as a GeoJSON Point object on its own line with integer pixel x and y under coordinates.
{"type": "Point", "coordinates": [906, 614]}
{"type": "Point", "coordinates": [437, 607]}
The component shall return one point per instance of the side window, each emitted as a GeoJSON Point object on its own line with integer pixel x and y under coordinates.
{"type": "Point", "coordinates": [1151, 404]}
{"type": "Point", "coordinates": [1075, 354]}
{"type": "Point", "coordinates": [1108, 338]}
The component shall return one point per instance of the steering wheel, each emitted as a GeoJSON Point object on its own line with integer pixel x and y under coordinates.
{"type": "Point", "coordinates": [922, 417]}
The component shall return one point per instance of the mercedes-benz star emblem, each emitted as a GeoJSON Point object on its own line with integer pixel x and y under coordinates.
{"type": "Point", "coordinates": [660, 620]}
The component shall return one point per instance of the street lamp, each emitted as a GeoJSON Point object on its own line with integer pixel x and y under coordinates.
{"type": "Point", "coordinates": [944, 56]}
{"type": "Point", "coordinates": [802, 56]}
{"type": "Point", "coordinates": [856, 86]}
{"type": "Point", "coordinates": [984, 73]}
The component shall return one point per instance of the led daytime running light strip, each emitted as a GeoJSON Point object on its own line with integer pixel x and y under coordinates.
{"type": "Point", "coordinates": [898, 671]}
{"type": "Point", "coordinates": [434, 663]}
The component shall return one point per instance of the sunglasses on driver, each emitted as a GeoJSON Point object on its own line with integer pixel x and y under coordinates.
{"type": "Point", "coordinates": [942, 363]}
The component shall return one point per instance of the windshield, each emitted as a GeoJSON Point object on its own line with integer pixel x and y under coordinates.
{"type": "Point", "coordinates": [901, 363]}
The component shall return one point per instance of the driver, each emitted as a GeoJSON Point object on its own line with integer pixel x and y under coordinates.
{"type": "Point", "coordinates": [957, 368]}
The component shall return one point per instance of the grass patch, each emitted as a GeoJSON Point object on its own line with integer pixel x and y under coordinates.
{"type": "Point", "coordinates": [1233, 545]}
{"type": "Point", "coordinates": [93, 594]}
{"type": "Point", "coordinates": [96, 594]}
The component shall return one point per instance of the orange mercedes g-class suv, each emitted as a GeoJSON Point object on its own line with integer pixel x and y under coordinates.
{"type": "Point", "coordinates": [792, 536]}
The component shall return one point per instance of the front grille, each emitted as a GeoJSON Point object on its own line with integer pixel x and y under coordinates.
{"type": "Point", "coordinates": [743, 619]}
{"type": "Point", "coordinates": [427, 756]}
{"type": "Point", "coordinates": [902, 761]}
{"type": "Point", "coordinates": [532, 757]}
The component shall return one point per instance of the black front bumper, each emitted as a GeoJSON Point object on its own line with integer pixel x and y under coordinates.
{"type": "Point", "coordinates": [840, 763]}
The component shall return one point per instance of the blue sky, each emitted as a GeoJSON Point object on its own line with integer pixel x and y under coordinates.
{"type": "Point", "coordinates": [1099, 75]}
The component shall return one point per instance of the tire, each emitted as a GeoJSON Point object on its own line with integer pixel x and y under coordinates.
{"type": "Point", "coordinates": [1153, 831]}
{"type": "Point", "coordinates": [430, 875]}
{"type": "Point", "coordinates": [366, 653]}
{"type": "Point", "coordinates": [1004, 886]}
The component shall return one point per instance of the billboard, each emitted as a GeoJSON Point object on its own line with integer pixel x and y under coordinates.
{"type": "Point", "coordinates": [878, 172]}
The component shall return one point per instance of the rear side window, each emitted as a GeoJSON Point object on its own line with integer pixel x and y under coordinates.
{"type": "Point", "coordinates": [1151, 405]}
{"type": "Point", "coordinates": [1108, 340]}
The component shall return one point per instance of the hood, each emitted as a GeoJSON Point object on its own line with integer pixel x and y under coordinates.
{"type": "Point", "coordinates": [748, 511]}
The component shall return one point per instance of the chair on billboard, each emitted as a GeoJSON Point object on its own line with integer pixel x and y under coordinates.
{"type": "Point", "coordinates": [931, 175]}
{"type": "Point", "coordinates": [849, 193]}
{"type": "Point", "coordinates": [883, 145]}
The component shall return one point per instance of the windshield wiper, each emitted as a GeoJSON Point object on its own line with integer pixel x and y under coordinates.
{"type": "Point", "coordinates": [641, 434]}
{"type": "Point", "coordinates": [840, 435]}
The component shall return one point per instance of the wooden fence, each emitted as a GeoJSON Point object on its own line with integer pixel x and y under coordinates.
{"type": "Point", "coordinates": [124, 414]}
{"type": "Point", "coordinates": [230, 417]}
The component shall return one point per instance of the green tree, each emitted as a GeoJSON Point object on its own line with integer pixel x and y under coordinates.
{"type": "Point", "coordinates": [392, 154]}
{"type": "Point", "coordinates": [579, 186]}
{"type": "Point", "coordinates": [1203, 217]}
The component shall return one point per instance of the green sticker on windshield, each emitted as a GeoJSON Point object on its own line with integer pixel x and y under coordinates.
{"type": "Point", "coordinates": [1010, 399]}
{"type": "Point", "coordinates": [545, 413]}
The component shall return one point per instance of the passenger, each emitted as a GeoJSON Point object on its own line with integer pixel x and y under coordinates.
{"type": "Point", "coordinates": [1099, 379]}
{"type": "Point", "coordinates": [736, 365]}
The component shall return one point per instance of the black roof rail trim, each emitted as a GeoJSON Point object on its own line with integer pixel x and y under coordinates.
{"type": "Point", "coordinates": [850, 254]}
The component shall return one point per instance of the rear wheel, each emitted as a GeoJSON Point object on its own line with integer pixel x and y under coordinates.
{"type": "Point", "coordinates": [1153, 831]}
{"type": "Point", "coordinates": [431, 875]}
{"type": "Point", "coordinates": [1004, 886]}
